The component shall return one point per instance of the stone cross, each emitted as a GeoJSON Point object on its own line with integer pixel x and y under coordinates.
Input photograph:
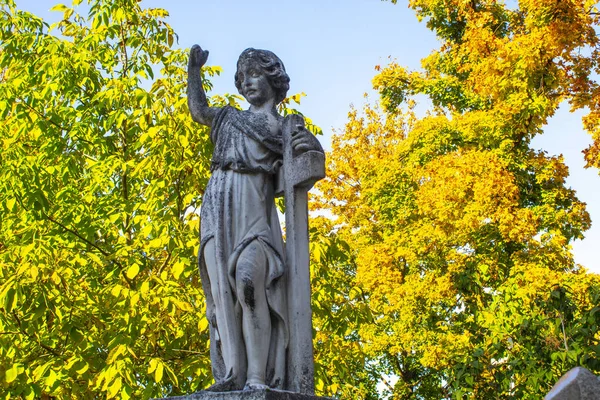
{"type": "Point", "coordinates": [299, 174]}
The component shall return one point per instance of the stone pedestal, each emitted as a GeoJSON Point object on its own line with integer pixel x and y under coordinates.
{"type": "Point", "coordinates": [264, 394]}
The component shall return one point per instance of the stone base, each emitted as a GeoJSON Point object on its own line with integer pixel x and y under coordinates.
{"type": "Point", "coordinates": [262, 394]}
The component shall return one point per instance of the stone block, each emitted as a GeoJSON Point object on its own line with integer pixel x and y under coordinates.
{"type": "Point", "coordinates": [577, 384]}
{"type": "Point", "coordinates": [263, 394]}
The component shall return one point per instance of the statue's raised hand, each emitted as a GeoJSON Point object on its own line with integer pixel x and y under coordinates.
{"type": "Point", "coordinates": [198, 56]}
{"type": "Point", "coordinates": [197, 103]}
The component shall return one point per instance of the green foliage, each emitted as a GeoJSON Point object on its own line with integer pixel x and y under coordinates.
{"type": "Point", "coordinates": [103, 173]}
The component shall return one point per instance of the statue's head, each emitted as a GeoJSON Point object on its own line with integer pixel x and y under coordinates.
{"type": "Point", "coordinates": [270, 65]}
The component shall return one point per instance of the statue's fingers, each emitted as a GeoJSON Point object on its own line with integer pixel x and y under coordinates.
{"type": "Point", "coordinates": [203, 56]}
{"type": "Point", "coordinates": [196, 54]}
{"type": "Point", "coordinates": [301, 144]}
{"type": "Point", "coordinates": [300, 130]}
{"type": "Point", "coordinates": [298, 137]}
{"type": "Point", "coordinates": [303, 147]}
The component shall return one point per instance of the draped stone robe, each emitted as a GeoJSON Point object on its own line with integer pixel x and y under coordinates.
{"type": "Point", "coordinates": [238, 209]}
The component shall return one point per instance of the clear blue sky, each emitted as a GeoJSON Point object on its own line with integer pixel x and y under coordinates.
{"type": "Point", "coordinates": [330, 49]}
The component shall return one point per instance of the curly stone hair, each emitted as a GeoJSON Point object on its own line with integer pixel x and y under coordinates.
{"type": "Point", "coordinates": [271, 66]}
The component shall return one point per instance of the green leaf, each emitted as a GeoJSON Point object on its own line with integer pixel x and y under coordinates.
{"type": "Point", "coordinates": [83, 369]}
{"type": "Point", "coordinates": [10, 299]}
{"type": "Point", "coordinates": [40, 371]}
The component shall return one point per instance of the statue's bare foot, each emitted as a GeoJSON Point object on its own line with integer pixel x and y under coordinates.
{"type": "Point", "coordinates": [227, 385]}
{"type": "Point", "coordinates": [255, 386]}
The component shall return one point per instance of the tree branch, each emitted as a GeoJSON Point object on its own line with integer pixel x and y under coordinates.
{"type": "Point", "coordinates": [103, 252]}
{"type": "Point", "coordinates": [78, 235]}
{"type": "Point", "coordinates": [45, 347]}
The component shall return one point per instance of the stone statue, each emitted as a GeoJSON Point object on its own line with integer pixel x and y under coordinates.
{"type": "Point", "coordinates": [244, 265]}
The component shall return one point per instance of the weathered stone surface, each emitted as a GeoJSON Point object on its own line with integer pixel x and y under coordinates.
{"type": "Point", "coordinates": [577, 384]}
{"type": "Point", "coordinates": [264, 394]}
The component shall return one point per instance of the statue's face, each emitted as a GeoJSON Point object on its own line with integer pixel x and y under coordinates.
{"type": "Point", "coordinates": [255, 86]}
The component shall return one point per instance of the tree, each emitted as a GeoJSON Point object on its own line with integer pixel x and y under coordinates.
{"type": "Point", "coordinates": [522, 61]}
{"type": "Point", "coordinates": [460, 230]}
{"type": "Point", "coordinates": [102, 173]}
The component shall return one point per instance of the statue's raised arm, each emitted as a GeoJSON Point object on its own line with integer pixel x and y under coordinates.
{"type": "Point", "coordinates": [197, 103]}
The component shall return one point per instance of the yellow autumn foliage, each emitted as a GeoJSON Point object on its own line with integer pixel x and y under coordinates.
{"type": "Point", "coordinates": [461, 242]}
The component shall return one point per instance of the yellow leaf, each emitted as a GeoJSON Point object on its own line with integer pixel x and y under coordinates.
{"type": "Point", "coordinates": [114, 388]}
{"type": "Point", "coordinates": [145, 288]}
{"type": "Point", "coordinates": [114, 353]}
{"type": "Point", "coordinates": [95, 258]}
{"type": "Point", "coordinates": [158, 373]}
{"type": "Point", "coordinates": [12, 373]}
{"type": "Point", "coordinates": [125, 393]}
{"type": "Point", "coordinates": [51, 379]}
{"type": "Point", "coordinates": [183, 140]}
{"type": "Point", "coordinates": [34, 271]}
{"type": "Point", "coordinates": [202, 324]}
{"type": "Point", "coordinates": [320, 385]}
{"type": "Point", "coordinates": [155, 242]}
{"type": "Point", "coordinates": [152, 366]}
{"type": "Point", "coordinates": [10, 204]}
{"type": "Point", "coordinates": [40, 371]}
{"type": "Point", "coordinates": [135, 298]}
{"type": "Point", "coordinates": [132, 271]}
{"type": "Point", "coordinates": [177, 269]}
{"type": "Point", "coordinates": [116, 291]}
{"type": "Point", "coordinates": [59, 7]}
